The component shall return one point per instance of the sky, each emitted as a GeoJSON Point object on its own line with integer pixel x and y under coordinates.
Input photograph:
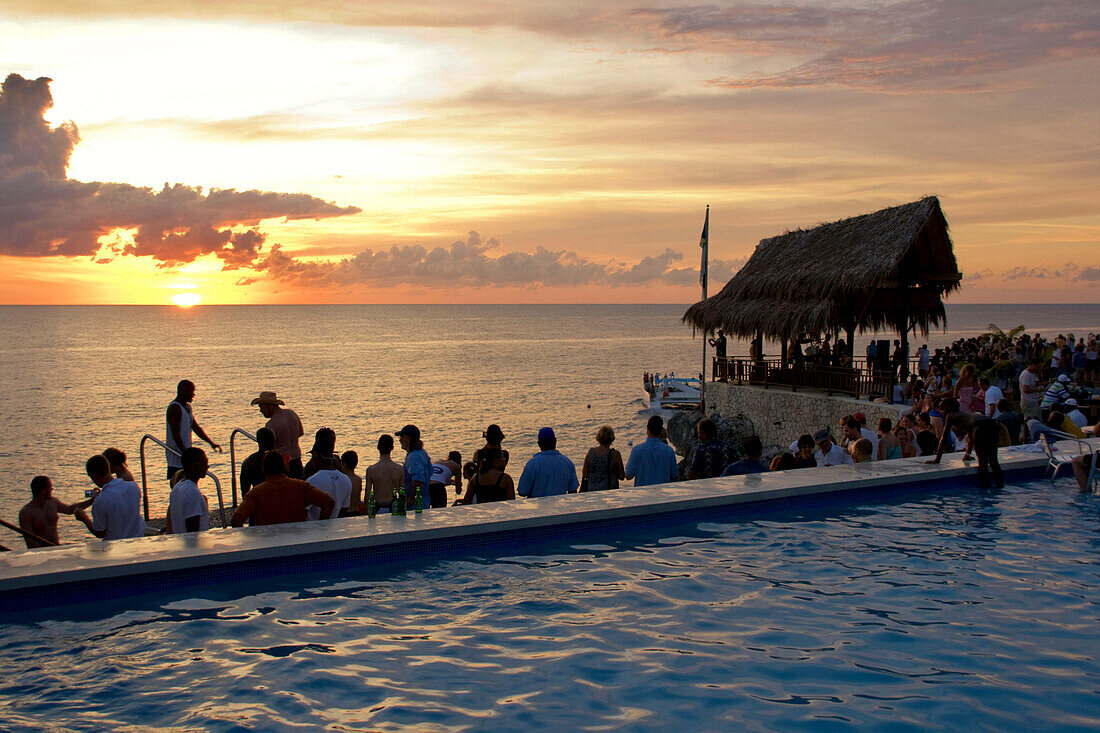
{"type": "Point", "coordinates": [496, 151]}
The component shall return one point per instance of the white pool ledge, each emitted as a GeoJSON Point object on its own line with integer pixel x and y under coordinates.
{"type": "Point", "coordinates": [96, 560]}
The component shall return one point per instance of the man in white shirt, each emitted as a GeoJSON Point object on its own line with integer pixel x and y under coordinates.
{"type": "Point", "coordinates": [116, 511]}
{"type": "Point", "coordinates": [325, 472]}
{"type": "Point", "coordinates": [993, 395]}
{"type": "Point", "coordinates": [188, 510]}
{"type": "Point", "coordinates": [1076, 416]}
{"type": "Point", "coordinates": [1029, 390]}
{"type": "Point", "coordinates": [829, 453]}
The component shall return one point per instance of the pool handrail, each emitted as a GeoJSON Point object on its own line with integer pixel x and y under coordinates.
{"type": "Point", "coordinates": [145, 480]}
{"type": "Point", "coordinates": [233, 458]}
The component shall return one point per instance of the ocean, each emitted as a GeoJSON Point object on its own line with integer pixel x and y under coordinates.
{"type": "Point", "coordinates": [77, 379]}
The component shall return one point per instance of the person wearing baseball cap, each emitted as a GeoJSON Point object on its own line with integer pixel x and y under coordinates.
{"type": "Point", "coordinates": [548, 473]}
{"type": "Point", "coordinates": [829, 453]}
{"type": "Point", "coordinates": [287, 427]}
{"type": "Point", "coordinates": [418, 466]}
{"type": "Point", "coordinates": [1057, 393]}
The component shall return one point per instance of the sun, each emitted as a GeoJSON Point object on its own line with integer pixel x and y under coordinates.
{"type": "Point", "coordinates": [186, 300]}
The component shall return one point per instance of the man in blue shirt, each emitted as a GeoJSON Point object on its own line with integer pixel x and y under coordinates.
{"type": "Point", "coordinates": [654, 461]}
{"type": "Point", "coordinates": [548, 472]}
{"type": "Point", "coordinates": [752, 447]}
{"type": "Point", "coordinates": [418, 466]}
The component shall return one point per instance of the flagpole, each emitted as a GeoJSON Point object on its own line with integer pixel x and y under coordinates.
{"type": "Point", "coordinates": [704, 243]}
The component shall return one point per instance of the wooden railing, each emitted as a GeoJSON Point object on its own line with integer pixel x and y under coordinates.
{"type": "Point", "coordinates": [855, 380]}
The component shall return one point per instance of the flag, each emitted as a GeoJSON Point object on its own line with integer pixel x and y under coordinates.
{"type": "Point", "coordinates": [704, 245]}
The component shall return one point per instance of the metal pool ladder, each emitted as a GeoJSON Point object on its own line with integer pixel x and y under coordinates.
{"type": "Point", "coordinates": [145, 480]}
{"type": "Point", "coordinates": [233, 458]}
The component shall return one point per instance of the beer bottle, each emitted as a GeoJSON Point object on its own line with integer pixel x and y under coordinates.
{"type": "Point", "coordinates": [372, 505]}
{"type": "Point", "coordinates": [398, 502]}
{"type": "Point", "coordinates": [418, 501]}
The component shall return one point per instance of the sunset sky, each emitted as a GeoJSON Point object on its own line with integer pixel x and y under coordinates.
{"type": "Point", "coordinates": [509, 151]}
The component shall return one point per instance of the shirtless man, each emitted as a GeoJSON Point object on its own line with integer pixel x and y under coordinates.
{"type": "Point", "coordinates": [982, 435]}
{"type": "Point", "coordinates": [385, 476]}
{"type": "Point", "coordinates": [180, 421]}
{"type": "Point", "coordinates": [39, 516]}
{"type": "Point", "coordinates": [287, 427]}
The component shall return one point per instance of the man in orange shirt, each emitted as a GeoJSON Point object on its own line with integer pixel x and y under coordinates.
{"type": "Point", "coordinates": [280, 499]}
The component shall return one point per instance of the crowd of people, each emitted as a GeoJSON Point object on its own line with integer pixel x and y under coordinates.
{"type": "Point", "coordinates": [975, 395]}
{"type": "Point", "coordinates": [277, 487]}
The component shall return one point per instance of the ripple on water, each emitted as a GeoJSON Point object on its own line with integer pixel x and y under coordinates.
{"type": "Point", "coordinates": [908, 615]}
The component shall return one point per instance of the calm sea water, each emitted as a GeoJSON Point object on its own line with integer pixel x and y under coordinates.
{"type": "Point", "coordinates": [75, 380]}
{"type": "Point", "coordinates": [965, 611]}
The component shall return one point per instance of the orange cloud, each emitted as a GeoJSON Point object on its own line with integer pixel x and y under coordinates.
{"type": "Point", "coordinates": [43, 212]}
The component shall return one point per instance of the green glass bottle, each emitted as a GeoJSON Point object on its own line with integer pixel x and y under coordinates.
{"type": "Point", "coordinates": [418, 501]}
{"type": "Point", "coordinates": [398, 506]}
{"type": "Point", "coordinates": [372, 505]}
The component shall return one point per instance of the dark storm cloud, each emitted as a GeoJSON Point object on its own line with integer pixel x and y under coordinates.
{"type": "Point", "coordinates": [467, 263]}
{"type": "Point", "coordinates": [43, 212]}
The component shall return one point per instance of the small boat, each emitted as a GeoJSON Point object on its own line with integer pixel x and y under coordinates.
{"type": "Point", "coordinates": [668, 390]}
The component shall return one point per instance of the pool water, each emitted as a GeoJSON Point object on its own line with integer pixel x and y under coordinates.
{"type": "Point", "coordinates": [970, 609]}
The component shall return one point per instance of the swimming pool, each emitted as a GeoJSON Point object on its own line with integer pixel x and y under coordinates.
{"type": "Point", "coordinates": [967, 608]}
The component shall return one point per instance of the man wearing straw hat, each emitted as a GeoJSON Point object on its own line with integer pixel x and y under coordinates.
{"type": "Point", "coordinates": [287, 428]}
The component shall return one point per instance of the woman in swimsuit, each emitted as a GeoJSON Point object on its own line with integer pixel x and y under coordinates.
{"type": "Point", "coordinates": [489, 483]}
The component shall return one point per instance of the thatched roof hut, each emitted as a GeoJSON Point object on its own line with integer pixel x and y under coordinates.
{"type": "Point", "coordinates": [890, 268]}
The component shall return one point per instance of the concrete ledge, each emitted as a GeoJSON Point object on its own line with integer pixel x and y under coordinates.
{"type": "Point", "coordinates": [67, 574]}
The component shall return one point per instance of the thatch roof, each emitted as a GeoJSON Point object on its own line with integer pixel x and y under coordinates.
{"type": "Point", "coordinates": [888, 268]}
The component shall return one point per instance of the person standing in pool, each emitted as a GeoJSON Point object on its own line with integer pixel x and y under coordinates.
{"type": "Point", "coordinates": [982, 435]}
{"type": "Point", "coordinates": [180, 423]}
{"type": "Point", "coordinates": [287, 427]}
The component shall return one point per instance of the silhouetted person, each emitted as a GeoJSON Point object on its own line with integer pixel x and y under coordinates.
{"type": "Point", "coordinates": [40, 514]}
{"type": "Point", "coordinates": [188, 510]}
{"type": "Point", "coordinates": [280, 499]}
{"type": "Point", "coordinates": [180, 423]}
{"type": "Point", "coordinates": [252, 468]}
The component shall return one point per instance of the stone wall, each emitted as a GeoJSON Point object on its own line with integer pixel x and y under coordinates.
{"type": "Point", "coordinates": [781, 415]}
